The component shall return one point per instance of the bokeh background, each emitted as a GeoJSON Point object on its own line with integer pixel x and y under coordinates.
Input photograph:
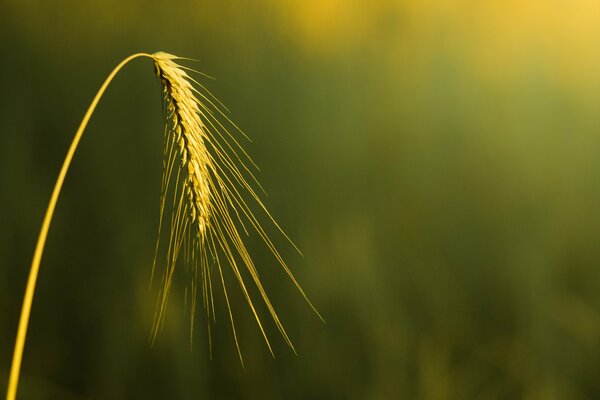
{"type": "Point", "coordinates": [438, 163]}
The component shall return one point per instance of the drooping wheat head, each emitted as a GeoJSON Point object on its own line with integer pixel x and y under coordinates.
{"type": "Point", "coordinates": [204, 175]}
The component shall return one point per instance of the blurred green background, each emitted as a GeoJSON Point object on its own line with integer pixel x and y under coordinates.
{"type": "Point", "coordinates": [438, 163]}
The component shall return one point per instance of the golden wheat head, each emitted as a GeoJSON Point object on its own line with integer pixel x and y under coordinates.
{"type": "Point", "coordinates": [204, 175]}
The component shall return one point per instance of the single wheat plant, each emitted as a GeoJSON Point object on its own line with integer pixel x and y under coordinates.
{"type": "Point", "coordinates": [206, 177]}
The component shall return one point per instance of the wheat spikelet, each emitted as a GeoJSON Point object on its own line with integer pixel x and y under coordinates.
{"type": "Point", "coordinates": [206, 187]}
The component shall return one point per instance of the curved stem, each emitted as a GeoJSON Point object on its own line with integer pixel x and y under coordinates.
{"type": "Point", "coordinates": [39, 248]}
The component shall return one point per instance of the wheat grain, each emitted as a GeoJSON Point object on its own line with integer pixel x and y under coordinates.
{"type": "Point", "coordinates": [207, 197]}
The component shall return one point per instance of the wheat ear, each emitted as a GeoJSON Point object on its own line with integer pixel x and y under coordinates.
{"type": "Point", "coordinates": [207, 203]}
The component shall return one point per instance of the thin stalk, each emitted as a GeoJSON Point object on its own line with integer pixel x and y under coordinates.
{"type": "Point", "coordinates": [39, 248]}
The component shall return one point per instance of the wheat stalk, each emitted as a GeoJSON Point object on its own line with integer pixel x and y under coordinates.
{"type": "Point", "coordinates": [204, 172]}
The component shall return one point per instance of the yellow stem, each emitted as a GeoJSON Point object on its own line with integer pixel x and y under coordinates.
{"type": "Point", "coordinates": [39, 248]}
